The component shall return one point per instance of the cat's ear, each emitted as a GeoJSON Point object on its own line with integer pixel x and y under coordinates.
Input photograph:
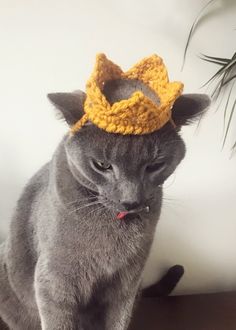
{"type": "Point", "coordinates": [188, 108]}
{"type": "Point", "coordinates": [69, 105]}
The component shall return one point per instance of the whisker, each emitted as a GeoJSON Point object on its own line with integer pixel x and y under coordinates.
{"type": "Point", "coordinates": [93, 210]}
{"type": "Point", "coordinates": [81, 200]}
{"type": "Point", "coordinates": [84, 206]}
{"type": "Point", "coordinates": [169, 199]}
{"type": "Point", "coordinates": [172, 202]}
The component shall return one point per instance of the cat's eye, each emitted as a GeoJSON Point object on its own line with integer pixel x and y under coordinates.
{"type": "Point", "coordinates": [102, 166]}
{"type": "Point", "coordinates": [155, 167]}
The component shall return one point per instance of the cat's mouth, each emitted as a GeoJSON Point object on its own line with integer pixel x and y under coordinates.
{"type": "Point", "coordinates": [123, 214]}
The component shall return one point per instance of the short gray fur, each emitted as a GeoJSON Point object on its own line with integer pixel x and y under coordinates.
{"type": "Point", "coordinates": [122, 89]}
{"type": "Point", "coordinates": [68, 262]}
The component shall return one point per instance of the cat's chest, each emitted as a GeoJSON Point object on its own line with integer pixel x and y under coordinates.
{"type": "Point", "coordinates": [112, 244]}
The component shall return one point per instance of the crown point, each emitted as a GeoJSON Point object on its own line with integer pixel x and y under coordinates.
{"type": "Point", "coordinates": [137, 114]}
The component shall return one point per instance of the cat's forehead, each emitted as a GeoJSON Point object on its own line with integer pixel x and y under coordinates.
{"type": "Point", "coordinates": [117, 147]}
{"type": "Point", "coordinates": [130, 148]}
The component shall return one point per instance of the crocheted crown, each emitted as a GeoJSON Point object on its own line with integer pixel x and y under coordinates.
{"type": "Point", "coordinates": [137, 114]}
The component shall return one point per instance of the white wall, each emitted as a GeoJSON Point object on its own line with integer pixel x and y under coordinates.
{"type": "Point", "coordinates": [50, 46]}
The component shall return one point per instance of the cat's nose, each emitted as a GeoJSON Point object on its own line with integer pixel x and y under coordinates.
{"type": "Point", "coordinates": [130, 206]}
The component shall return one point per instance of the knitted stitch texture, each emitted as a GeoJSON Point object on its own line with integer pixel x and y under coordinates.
{"type": "Point", "coordinates": [138, 114]}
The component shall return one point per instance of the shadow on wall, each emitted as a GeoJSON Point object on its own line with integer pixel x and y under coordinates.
{"type": "Point", "coordinates": [201, 271]}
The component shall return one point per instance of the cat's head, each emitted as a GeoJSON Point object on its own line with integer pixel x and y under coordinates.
{"type": "Point", "coordinates": [125, 170]}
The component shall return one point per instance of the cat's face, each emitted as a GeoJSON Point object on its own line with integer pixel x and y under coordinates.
{"type": "Point", "coordinates": [125, 171]}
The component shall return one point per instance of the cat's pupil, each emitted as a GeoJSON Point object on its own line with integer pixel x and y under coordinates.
{"type": "Point", "coordinates": [102, 166]}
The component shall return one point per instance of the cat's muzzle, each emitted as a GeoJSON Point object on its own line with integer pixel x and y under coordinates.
{"type": "Point", "coordinates": [121, 215]}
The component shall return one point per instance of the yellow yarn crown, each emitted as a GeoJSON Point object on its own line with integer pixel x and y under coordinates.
{"type": "Point", "coordinates": [138, 114]}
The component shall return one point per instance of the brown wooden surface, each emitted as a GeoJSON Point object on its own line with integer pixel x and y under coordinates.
{"type": "Point", "coordinates": [194, 312]}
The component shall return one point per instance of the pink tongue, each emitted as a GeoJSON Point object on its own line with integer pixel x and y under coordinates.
{"type": "Point", "coordinates": [121, 215]}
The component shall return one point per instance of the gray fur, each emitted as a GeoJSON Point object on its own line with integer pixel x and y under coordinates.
{"type": "Point", "coordinates": [122, 89]}
{"type": "Point", "coordinates": [68, 262]}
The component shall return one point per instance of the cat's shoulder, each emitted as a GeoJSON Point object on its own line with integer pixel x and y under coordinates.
{"type": "Point", "coordinates": [35, 185]}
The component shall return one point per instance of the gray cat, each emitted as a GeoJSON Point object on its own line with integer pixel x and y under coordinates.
{"type": "Point", "coordinates": [69, 262]}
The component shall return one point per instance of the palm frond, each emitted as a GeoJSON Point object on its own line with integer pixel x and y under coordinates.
{"type": "Point", "coordinates": [234, 146]}
{"type": "Point", "coordinates": [221, 80]}
{"type": "Point", "coordinates": [193, 27]}
{"type": "Point", "coordinates": [220, 59]}
{"type": "Point", "coordinates": [229, 122]}
{"type": "Point", "coordinates": [226, 105]}
{"type": "Point", "coordinates": [228, 80]}
{"type": "Point", "coordinates": [227, 67]}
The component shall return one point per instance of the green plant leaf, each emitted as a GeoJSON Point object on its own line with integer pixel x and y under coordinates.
{"type": "Point", "coordinates": [218, 73]}
{"type": "Point", "coordinates": [228, 66]}
{"type": "Point", "coordinates": [193, 29]}
{"type": "Point", "coordinates": [229, 122]}
{"type": "Point", "coordinates": [221, 100]}
{"type": "Point", "coordinates": [219, 86]}
{"type": "Point", "coordinates": [226, 105]}
{"type": "Point", "coordinates": [228, 80]}
{"type": "Point", "coordinates": [234, 146]}
{"type": "Point", "coordinates": [220, 59]}
{"type": "Point", "coordinates": [221, 78]}
{"type": "Point", "coordinates": [212, 61]}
